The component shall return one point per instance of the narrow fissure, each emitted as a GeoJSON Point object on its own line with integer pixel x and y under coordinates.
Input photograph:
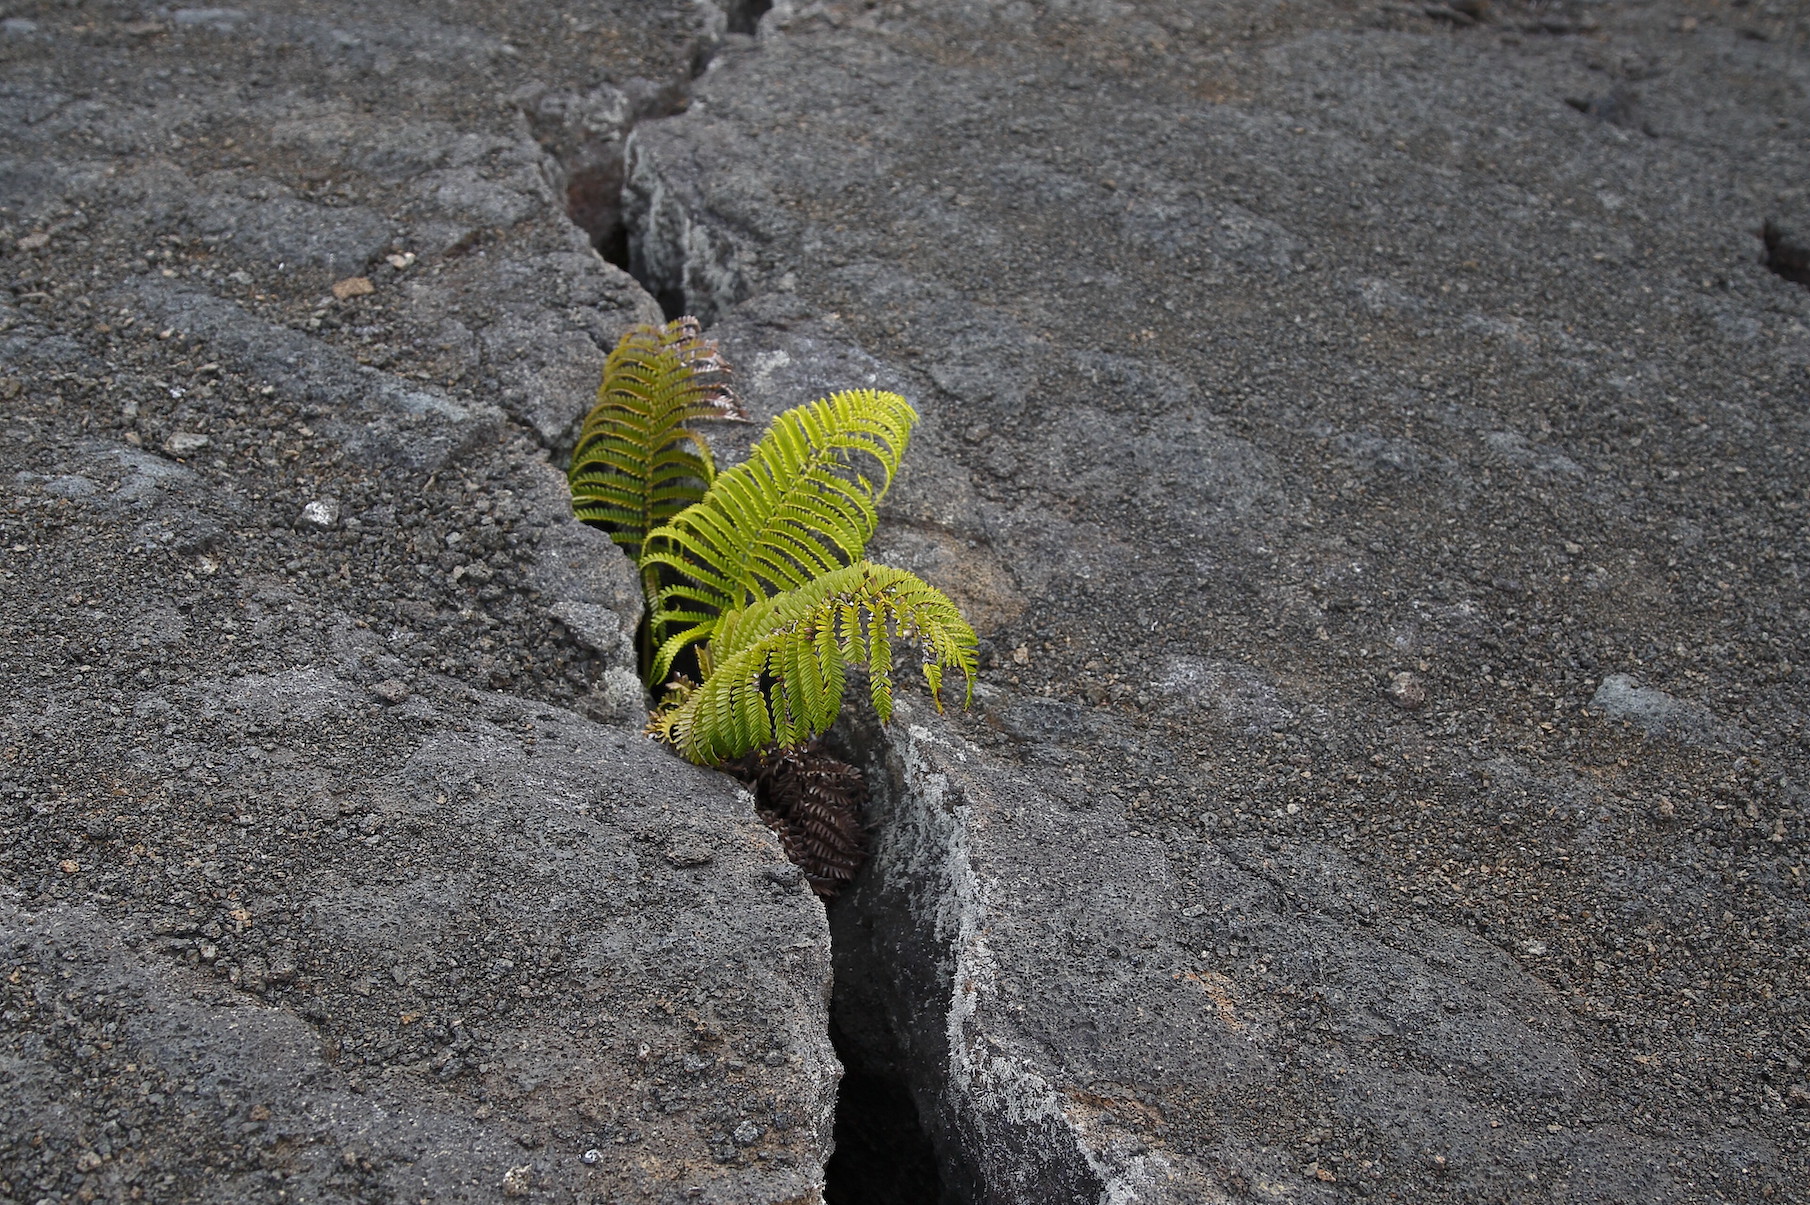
{"type": "Point", "coordinates": [669, 297]}
{"type": "Point", "coordinates": [612, 244]}
{"type": "Point", "coordinates": [890, 994]}
{"type": "Point", "coordinates": [927, 1088]}
{"type": "Point", "coordinates": [1787, 251]}
{"type": "Point", "coordinates": [744, 15]}
{"type": "Point", "coordinates": [685, 266]}
{"type": "Point", "coordinates": [883, 1156]}
{"type": "Point", "coordinates": [613, 237]}
{"type": "Point", "coordinates": [587, 137]}
{"type": "Point", "coordinates": [888, 1150]}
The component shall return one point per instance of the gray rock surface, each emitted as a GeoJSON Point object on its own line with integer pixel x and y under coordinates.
{"type": "Point", "coordinates": [314, 885]}
{"type": "Point", "coordinates": [429, 946]}
{"type": "Point", "coordinates": [1371, 442]}
{"type": "Point", "coordinates": [1655, 712]}
{"type": "Point", "coordinates": [1372, 445]}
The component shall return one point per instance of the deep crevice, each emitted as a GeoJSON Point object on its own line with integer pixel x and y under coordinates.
{"type": "Point", "coordinates": [587, 135]}
{"type": "Point", "coordinates": [744, 15]}
{"type": "Point", "coordinates": [686, 267]}
{"type": "Point", "coordinates": [612, 244]}
{"type": "Point", "coordinates": [924, 1075]}
{"type": "Point", "coordinates": [886, 1150]}
{"type": "Point", "coordinates": [595, 202]}
{"type": "Point", "coordinates": [883, 1155]}
{"type": "Point", "coordinates": [1787, 251]}
{"type": "Point", "coordinates": [669, 297]}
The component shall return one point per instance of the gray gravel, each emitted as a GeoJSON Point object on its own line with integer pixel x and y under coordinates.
{"type": "Point", "coordinates": [314, 884]}
{"type": "Point", "coordinates": [1372, 445]}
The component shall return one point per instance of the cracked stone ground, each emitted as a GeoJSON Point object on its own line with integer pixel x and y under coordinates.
{"type": "Point", "coordinates": [314, 883]}
{"type": "Point", "coordinates": [1373, 444]}
{"type": "Point", "coordinates": [1369, 440]}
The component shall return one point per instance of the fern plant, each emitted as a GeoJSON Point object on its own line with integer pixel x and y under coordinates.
{"type": "Point", "coordinates": [757, 572]}
{"type": "Point", "coordinates": [793, 511]}
{"type": "Point", "coordinates": [774, 671]}
{"type": "Point", "coordinates": [640, 459]}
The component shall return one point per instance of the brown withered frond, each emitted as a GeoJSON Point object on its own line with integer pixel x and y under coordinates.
{"type": "Point", "coordinates": [813, 801]}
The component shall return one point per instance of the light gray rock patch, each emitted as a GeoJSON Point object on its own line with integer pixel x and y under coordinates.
{"type": "Point", "coordinates": [577, 563]}
{"type": "Point", "coordinates": [1238, 696]}
{"type": "Point", "coordinates": [1659, 713]}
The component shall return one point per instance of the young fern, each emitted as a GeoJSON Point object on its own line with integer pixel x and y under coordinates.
{"type": "Point", "coordinates": [757, 570]}
{"type": "Point", "coordinates": [797, 508]}
{"type": "Point", "coordinates": [777, 668]}
{"type": "Point", "coordinates": [640, 460]}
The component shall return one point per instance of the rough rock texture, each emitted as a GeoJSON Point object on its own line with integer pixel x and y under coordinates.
{"type": "Point", "coordinates": [1372, 442]}
{"type": "Point", "coordinates": [314, 884]}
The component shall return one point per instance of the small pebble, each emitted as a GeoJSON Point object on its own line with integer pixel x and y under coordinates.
{"type": "Point", "coordinates": [1407, 691]}
{"type": "Point", "coordinates": [391, 690]}
{"type": "Point", "coordinates": [321, 515]}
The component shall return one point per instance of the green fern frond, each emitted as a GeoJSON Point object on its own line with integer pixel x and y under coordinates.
{"type": "Point", "coordinates": [778, 666]}
{"type": "Point", "coordinates": [640, 459]}
{"type": "Point", "coordinates": [799, 507]}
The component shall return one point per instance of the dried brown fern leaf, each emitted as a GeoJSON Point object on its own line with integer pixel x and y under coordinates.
{"type": "Point", "coordinates": [813, 801]}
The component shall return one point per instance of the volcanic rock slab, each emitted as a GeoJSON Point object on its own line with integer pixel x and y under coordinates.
{"type": "Point", "coordinates": [314, 884]}
{"type": "Point", "coordinates": [1372, 444]}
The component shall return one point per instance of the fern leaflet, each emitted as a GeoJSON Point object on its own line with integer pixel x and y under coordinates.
{"type": "Point", "coordinates": [640, 459]}
{"type": "Point", "coordinates": [797, 509]}
{"type": "Point", "coordinates": [777, 667]}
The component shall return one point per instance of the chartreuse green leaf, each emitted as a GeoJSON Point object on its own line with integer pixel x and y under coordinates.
{"type": "Point", "coordinates": [758, 570]}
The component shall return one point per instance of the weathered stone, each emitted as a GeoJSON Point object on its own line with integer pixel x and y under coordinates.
{"type": "Point", "coordinates": [378, 417]}
{"type": "Point", "coordinates": [577, 563]}
{"type": "Point", "coordinates": [1337, 450]}
{"type": "Point", "coordinates": [307, 882]}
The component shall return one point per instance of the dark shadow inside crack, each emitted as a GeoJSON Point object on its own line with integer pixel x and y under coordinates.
{"type": "Point", "coordinates": [883, 1156]}
{"type": "Point", "coordinates": [594, 203]}
{"type": "Point", "coordinates": [744, 15]}
{"type": "Point", "coordinates": [670, 298]}
{"type": "Point", "coordinates": [1787, 251]}
{"type": "Point", "coordinates": [885, 1152]}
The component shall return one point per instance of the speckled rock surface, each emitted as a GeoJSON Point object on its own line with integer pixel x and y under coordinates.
{"type": "Point", "coordinates": [1372, 444]}
{"type": "Point", "coordinates": [316, 883]}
